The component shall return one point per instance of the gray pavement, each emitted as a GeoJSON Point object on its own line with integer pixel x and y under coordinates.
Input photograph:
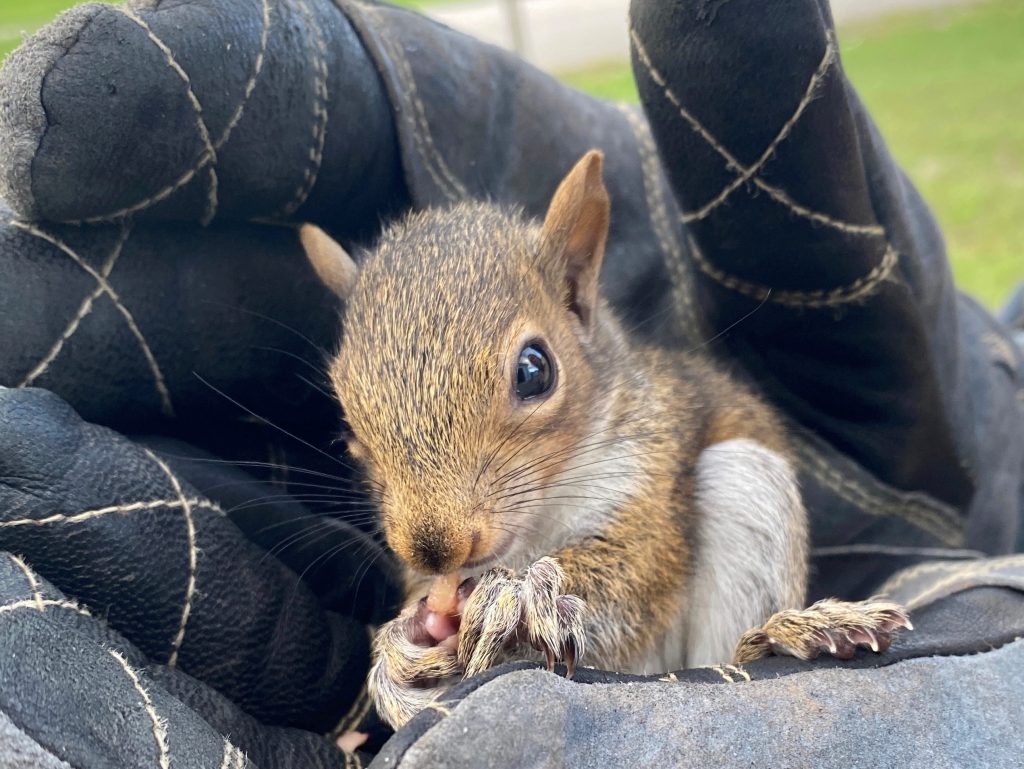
{"type": "Point", "coordinates": [566, 35]}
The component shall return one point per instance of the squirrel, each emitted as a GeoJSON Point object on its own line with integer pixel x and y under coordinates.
{"type": "Point", "coordinates": [569, 490]}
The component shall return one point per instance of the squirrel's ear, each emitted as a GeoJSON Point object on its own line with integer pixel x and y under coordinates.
{"type": "Point", "coordinates": [575, 233]}
{"type": "Point", "coordinates": [331, 262]}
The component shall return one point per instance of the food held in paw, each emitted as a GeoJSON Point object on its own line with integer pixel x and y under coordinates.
{"type": "Point", "coordinates": [440, 613]}
{"type": "Point", "coordinates": [443, 596]}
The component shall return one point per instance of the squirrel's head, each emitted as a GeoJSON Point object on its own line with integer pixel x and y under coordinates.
{"type": "Point", "coordinates": [470, 370]}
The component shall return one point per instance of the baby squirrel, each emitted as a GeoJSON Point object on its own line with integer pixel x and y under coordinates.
{"type": "Point", "coordinates": [582, 492]}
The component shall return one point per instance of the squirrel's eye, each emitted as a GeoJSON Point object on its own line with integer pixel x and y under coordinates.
{"type": "Point", "coordinates": [534, 374]}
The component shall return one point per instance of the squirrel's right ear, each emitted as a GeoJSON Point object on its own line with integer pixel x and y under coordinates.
{"type": "Point", "coordinates": [575, 232]}
{"type": "Point", "coordinates": [331, 262]}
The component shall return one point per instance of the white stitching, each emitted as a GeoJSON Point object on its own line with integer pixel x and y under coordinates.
{"type": "Point", "coordinates": [40, 368]}
{"type": "Point", "coordinates": [33, 583]}
{"type": "Point", "coordinates": [656, 76]}
{"type": "Point", "coordinates": [250, 84]}
{"type": "Point", "coordinates": [780, 196]}
{"type": "Point", "coordinates": [671, 248]}
{"type": "Point", "coordinates": [355, 714]}
{"type": "Point", "coordinates": [738, 669]}
{"type": "Point", "coordinates": [206, 157]}
{"type": "Point", "coordinates": [858, 289]}
{"type": "Point", "coordinates": [84, 310]}
{"type": "Point", "coordinates": [442, 175]}
{"type": "Point", "coordinates": [909, 574]}
{"type": "Point", "coordinates": [442, 709]}
{"type": "Point", "coordinates": [748, 173]}
{"type": "Point", "coordinates": [722, 673]}
{"type": "Point", "coordinates": [193, 502]}
{"type": "Point", "coordinates": [974, 569]}
{"type": "Point", "coordinates": [193, 557]}
{"type": "Point", "coordinates": [209, 156]}
{"type": "Point", "coordinates": [735, 165]}
{"type": "Point", "coordinates": [942, 527]}
{"type": "Point", "coordinates": [151, 201]}
{"type": "Point", "coordinates": [161, 386]}
{"type": "Point", "coordinates": [1000, 350]}
{"type": "Point", "coordinates": [159, 728]}
{"type": "Point", "coordinates": [897, 551]}
{"type": "Point", "coordinates": [320, 116]}
{"type": "Point", "coordinates": [41, 604]}
{"type": "Point", "coordinates": [424, 137]}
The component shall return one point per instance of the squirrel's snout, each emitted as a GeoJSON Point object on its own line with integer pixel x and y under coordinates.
{"type": "Point", "coordinates": [437, 560]}
{"type": "Point", "coordinates": [435, 551]}
{"type": "Point", "coordinates": [438, 539]}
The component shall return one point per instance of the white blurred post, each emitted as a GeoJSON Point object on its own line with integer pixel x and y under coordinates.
{"type": "Point", "coordinates": [515, 25]}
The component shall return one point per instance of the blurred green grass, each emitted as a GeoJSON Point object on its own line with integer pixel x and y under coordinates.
{"type": "Point", "coordinates": [946, 88]}
{"type": "Point", "coordinates": [23, 16]}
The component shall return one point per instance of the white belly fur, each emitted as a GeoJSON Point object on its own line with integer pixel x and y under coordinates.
{"type": "Point", "coordinates": [750, 555]}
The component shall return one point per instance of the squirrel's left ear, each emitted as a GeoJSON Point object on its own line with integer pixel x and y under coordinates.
{"type": "Point", "coordinates": [575, 233]}
{"type": "Point", "coordinates": [331, 262]}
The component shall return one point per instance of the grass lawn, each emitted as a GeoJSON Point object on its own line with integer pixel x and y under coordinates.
{"type": "Point", "coordinates": [947, 89]}
{"type": "Point", "coordinates": [18, 16]}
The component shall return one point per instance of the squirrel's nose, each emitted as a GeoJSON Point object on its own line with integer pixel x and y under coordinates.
{"type": "Point", "coordinates": [437, 552]}
{"type": "Point", "coordinates": [434, 560]}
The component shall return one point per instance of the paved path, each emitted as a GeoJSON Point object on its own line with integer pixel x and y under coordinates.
{"type": "Point", "coordinates": [565, 35]}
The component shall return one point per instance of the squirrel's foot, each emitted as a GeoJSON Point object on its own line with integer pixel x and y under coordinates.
{"type": "Point", "coordinates": [828, 626]}
{"type": "Point", "coordinates": [417, 655]}
{"type": "Point", "coordinates": [412, 665]}
{"type": "Point", "coordinates": [504, 610]}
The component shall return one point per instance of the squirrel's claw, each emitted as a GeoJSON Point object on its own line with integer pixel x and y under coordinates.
{"type": "Point", "coordinates": [835, 627]}
{"type": "Point", "coordinates": [505, 609]}
{"type": "Point", "coordinates": [571, 616]}
{"type": "Point", "coordinates": [490, 620]}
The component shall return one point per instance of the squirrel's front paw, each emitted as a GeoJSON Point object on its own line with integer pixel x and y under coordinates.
{"type": "Point", "coordinates": [504, 610]}
{"type": "Point", "coordinates": [413, 664]}
{"type": "Point", "coordinates": [828, 626]}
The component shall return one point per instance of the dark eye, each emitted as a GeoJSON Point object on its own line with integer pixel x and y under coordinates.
{"type": "Point", "coordinates": [534, 375]}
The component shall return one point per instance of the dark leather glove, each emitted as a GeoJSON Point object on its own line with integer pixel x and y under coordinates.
{"type": "Point", "coordinates": [819, 257]}
{"type": "Point", "coordinates": [74, 692]}
{"type": "Point", "coordinates": [115, 526]}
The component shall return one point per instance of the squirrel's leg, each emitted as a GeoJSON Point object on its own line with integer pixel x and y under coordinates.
{"type": "Point", "coordinates": [749, 542]}
{"type": "Point", "coordinates": [750, 568]}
